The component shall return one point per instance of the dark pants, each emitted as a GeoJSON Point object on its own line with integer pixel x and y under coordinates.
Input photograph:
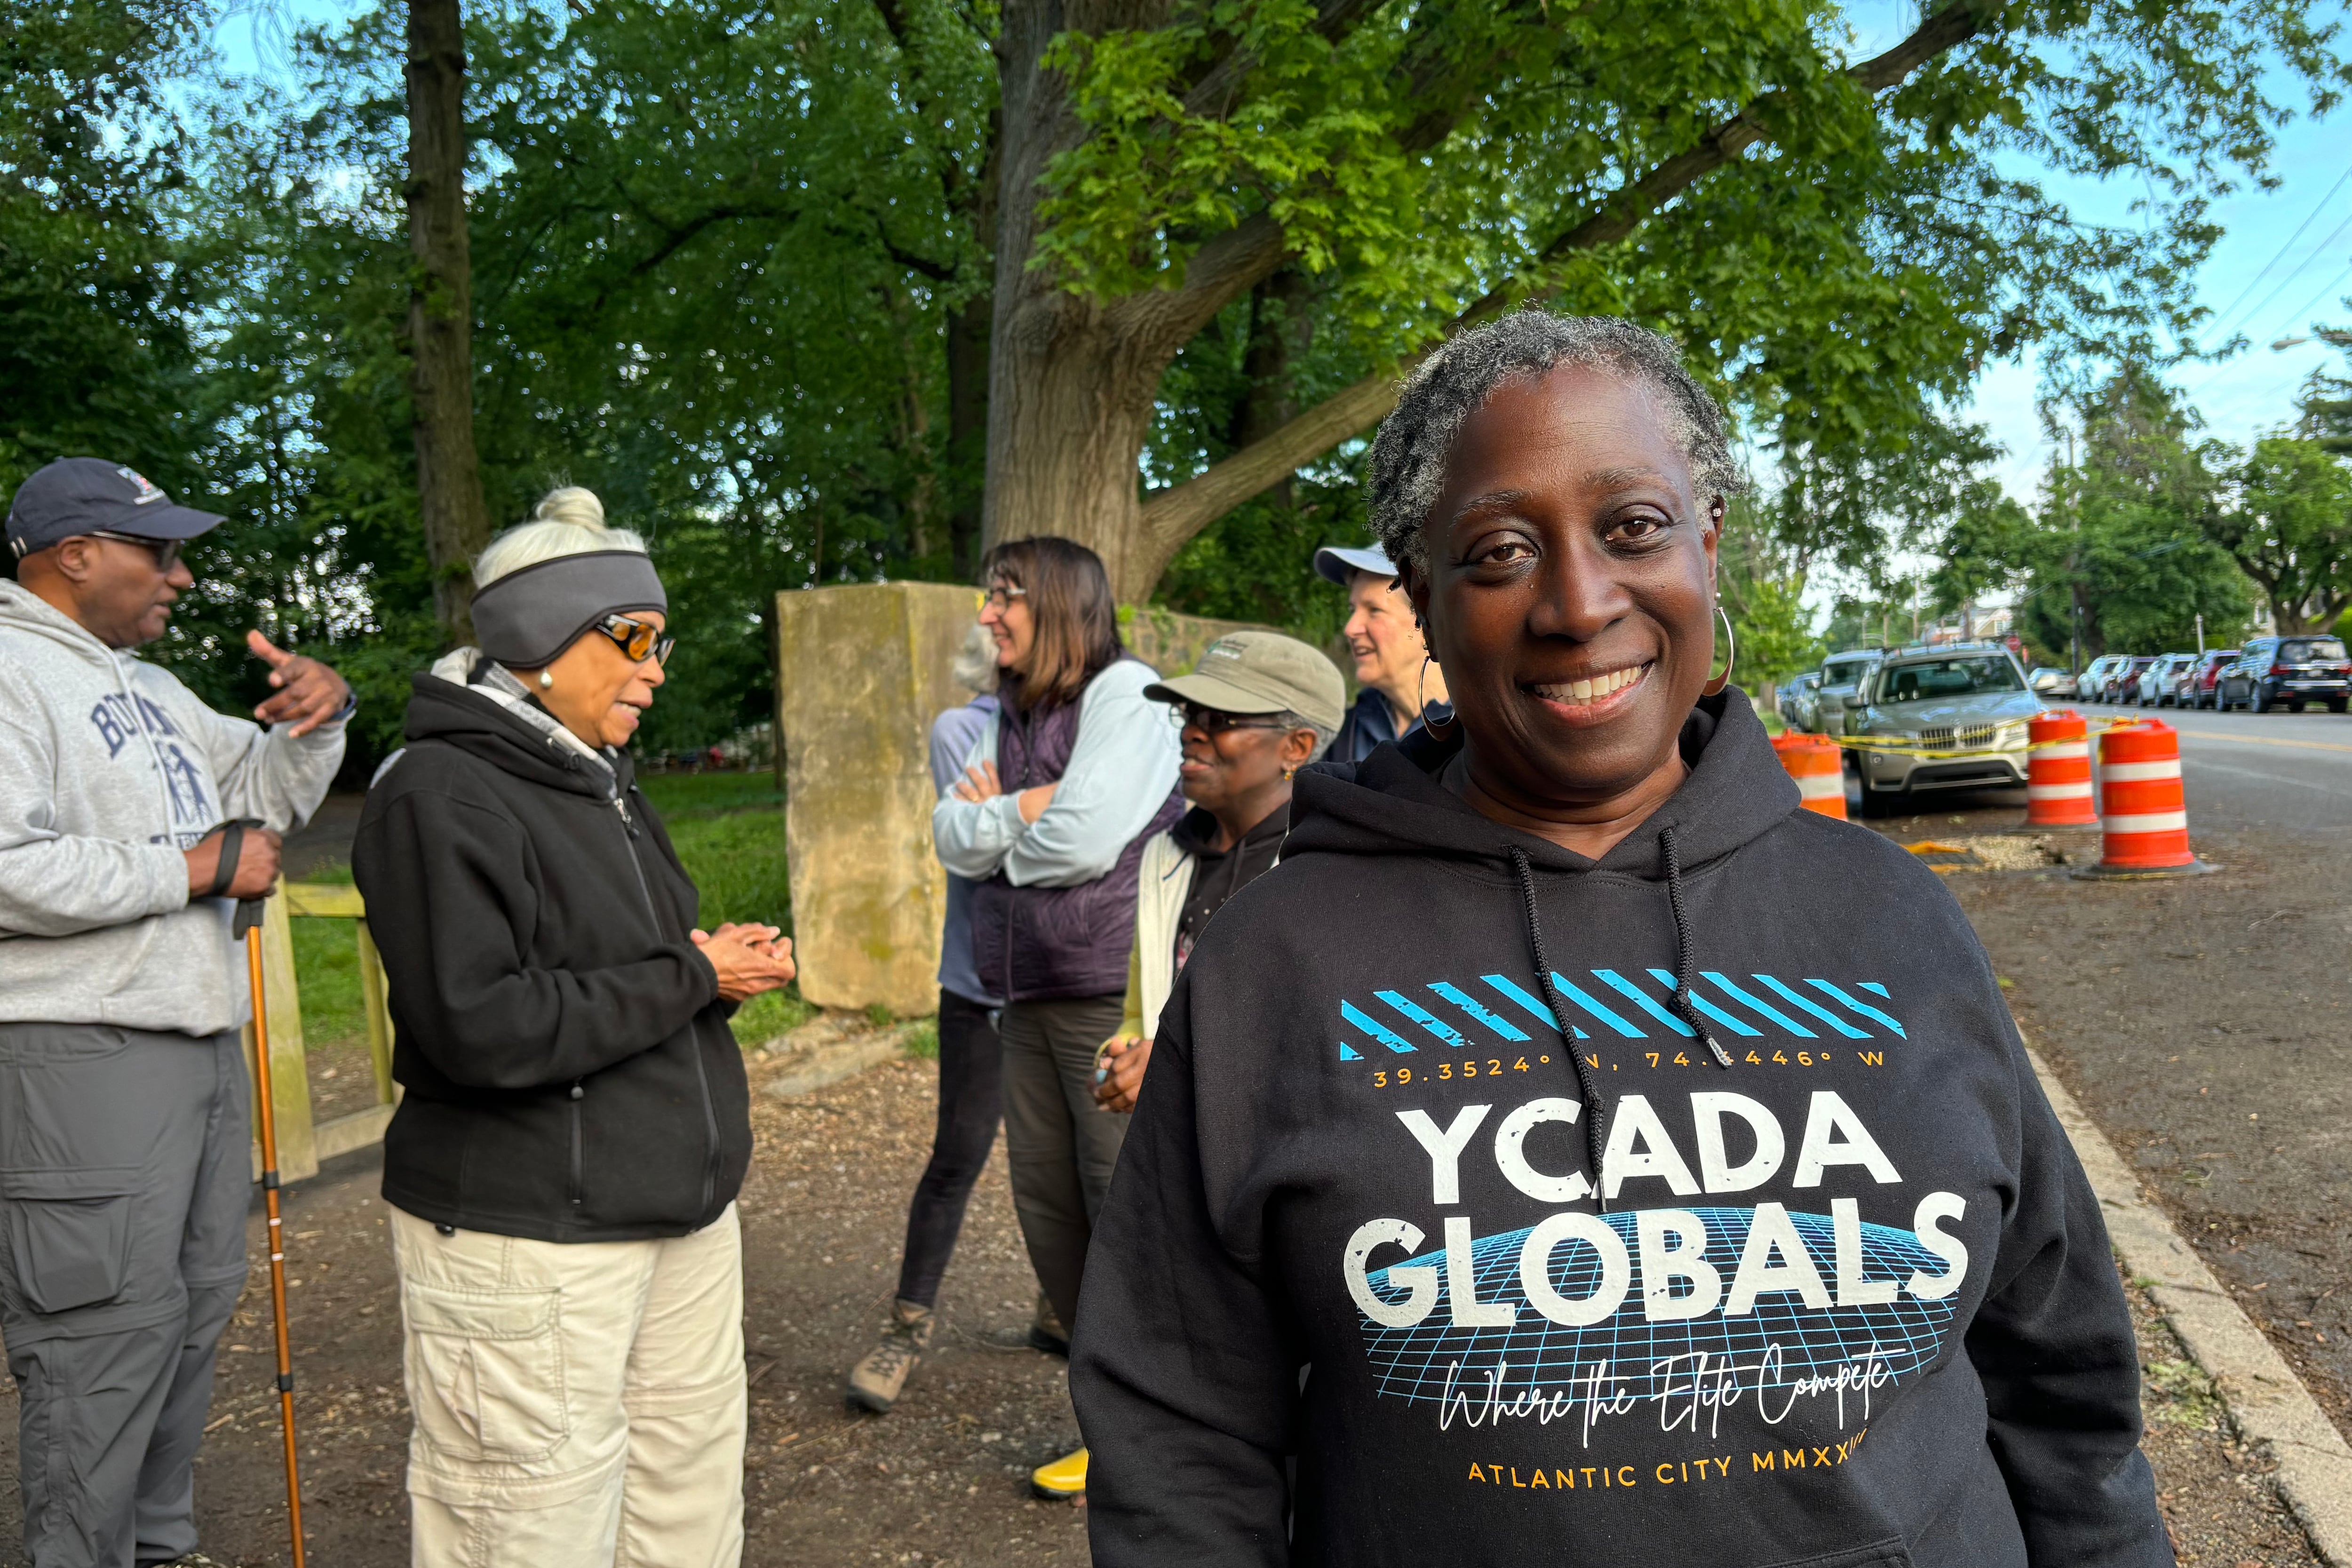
{"type": "Point", "coordinates": [970, 1104]}
{"type": "Point", "coordinates": [1062, 1144]}
{"type": "Point", "coordinates": [124, 1176]}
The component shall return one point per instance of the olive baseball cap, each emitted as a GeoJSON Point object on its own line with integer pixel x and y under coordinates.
{"type": "Point", "coordinates": [1261, 672]}
{"type": "Point", "coordinates": [90, 495]}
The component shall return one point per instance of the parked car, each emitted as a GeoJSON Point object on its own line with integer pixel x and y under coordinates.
{"type": "Point", "coordinates": [2197, 686]}
{"type": "Point", "coordinates": [2123, 680]}
{"type": "Point", "coordinates": [2159, 683]}
{"type": "Point", "coordinates": [2049, 681]}
{"type": "Point", "coordinates": [1797, 699]}
{"type": "Point", "coordinates": [1958, 716]}
{"type": "Point", "coordinates": [2292, 671]}
{"type": "Point", "coordinates": [2091, 686]}
{"type": "Point", "coordinates": [1842, 675]}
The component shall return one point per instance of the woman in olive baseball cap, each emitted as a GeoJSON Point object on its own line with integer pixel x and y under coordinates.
{"type": "Point", "coordinates": [1258, 708]}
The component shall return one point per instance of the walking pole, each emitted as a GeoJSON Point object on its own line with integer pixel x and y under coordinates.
{"type": "Point", "coordinates": [248, 925]}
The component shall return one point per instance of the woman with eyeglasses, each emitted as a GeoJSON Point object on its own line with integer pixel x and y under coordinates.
{"type": "Point", "coordinates": [1259, 706]}
{"type": "Point", "coordinates": [562, 1169]}
{"type": "Point", "coordinates": [1074, 773]}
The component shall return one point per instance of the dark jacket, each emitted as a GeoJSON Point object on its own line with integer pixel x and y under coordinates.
{"type": "Point", "coordinates": [569, 1070]}
{"type": "Point", "coordinates": [1037, 945]}
{"type": "Point", "coordinates": [1845, 1302]}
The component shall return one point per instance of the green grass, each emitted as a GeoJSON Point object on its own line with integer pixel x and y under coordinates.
{"type": "Point", "coordinates": [327, 968]}
{"type": "Point", "coordinates": [682, 797]}
{"type": "Point", "coordinates": [1773, 723]}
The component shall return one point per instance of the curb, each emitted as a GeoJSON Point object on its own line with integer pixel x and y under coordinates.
{"type": "Point", "coordinates": [2267, 1402]}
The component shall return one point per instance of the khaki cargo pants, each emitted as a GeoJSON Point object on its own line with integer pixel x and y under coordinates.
{"type": "Point", "coordinates": [575, 1405]}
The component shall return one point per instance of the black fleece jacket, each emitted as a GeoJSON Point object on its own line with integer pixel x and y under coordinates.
{"type": "Point", "coordinates": [569, 1072]}
{"type": "Point", "coordinates": [1844, 1302]}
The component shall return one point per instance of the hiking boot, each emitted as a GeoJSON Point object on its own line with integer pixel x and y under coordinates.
{"type": "Point", "coordinates": [1047, 1335]}
{"type": "Point", "coordinates": [875, 1382]}
{"type": "Point", "coordinates": [1063, 1480]}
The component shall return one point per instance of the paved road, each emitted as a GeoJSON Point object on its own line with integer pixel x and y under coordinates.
{"type": "Point", "coordinates": [2290, 771]}
{"type": "Point", "coordinates": [2206, 1024]}
{"type": "Point", "coordinates": [2287, 771]}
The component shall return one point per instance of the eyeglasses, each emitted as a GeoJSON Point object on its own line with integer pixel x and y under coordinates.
{"type": "Point", "coordinates": [1213, 722]}
{"type": "Point", "coordinates": [999, 595]}
{"type": "Point", "coordinates": [637, 639]}
{"type": "Point", "coordinates": [166, 552]}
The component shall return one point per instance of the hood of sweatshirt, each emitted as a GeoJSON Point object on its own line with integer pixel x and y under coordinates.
{"type": "Point", "coordinates": [441, 706]}
{"type": "Point", "coordinates": [1697, 1203]}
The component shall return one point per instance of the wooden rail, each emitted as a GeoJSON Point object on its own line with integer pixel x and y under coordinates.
{"type": "Point", "coordinates": [302, 1141]}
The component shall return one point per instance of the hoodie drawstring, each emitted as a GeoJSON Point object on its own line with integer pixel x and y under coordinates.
{"type": "Point", "coordinates": [1594, 1110]}
{"type": "Point", "coordinates": [1686, 1009]}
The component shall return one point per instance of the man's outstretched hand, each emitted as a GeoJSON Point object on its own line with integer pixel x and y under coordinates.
{"type": "Point", "coordinates": [308, 693]}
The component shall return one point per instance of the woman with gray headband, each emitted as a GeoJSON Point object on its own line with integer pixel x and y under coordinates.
{"type": "Point", "coordinates": [563, 1170]}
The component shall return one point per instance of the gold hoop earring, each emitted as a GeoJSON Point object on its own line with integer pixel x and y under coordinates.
{"type": "Point", "coordinates": [1715, 687]}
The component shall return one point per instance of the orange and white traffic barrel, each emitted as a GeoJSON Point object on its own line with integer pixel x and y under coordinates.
{"type": "Point", "coordinates": [2058, 772]}
{"type": "Point", "coordinates": [1818, 764]}
{"type": "Point", "coordinates": [2142, 816]}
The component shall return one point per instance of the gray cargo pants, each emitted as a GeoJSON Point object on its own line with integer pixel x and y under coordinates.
{"type": "Point", "coordinates": [1061, 1145]}
{"type": "Point", "coordinates": [124, 1180]}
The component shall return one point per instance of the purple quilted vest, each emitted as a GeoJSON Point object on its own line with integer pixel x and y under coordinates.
{"type": "Point", "coordinates": [1039, 944]}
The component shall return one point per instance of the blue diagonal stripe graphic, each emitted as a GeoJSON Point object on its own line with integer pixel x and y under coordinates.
{"type": "Point", "coordinates": [1642, 999]}
{"type": "Point", "coordinates": [1737, 1026]}
{"type": "Point", "coordinates": [1464, 1000]}
{"type": "Point", "coordinates": [1446, 1032]}
{"type": "Point", "coordinates": [1593, 1005]}
{"type": "Point", "coordinates": [1816, 1009]}
{"type": "Point", "coordinates": [1374, 1027]}
{"type": "Point", "coordinates": [1533, 1009]}
{"type": "Point", "coordinates": [1864, 1008]}
{"type": "Point", "coordinates": [1754, 1004]}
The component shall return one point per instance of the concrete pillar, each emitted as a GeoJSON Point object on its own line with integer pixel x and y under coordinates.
{"type": "Point", "coordinates": [861, 671]}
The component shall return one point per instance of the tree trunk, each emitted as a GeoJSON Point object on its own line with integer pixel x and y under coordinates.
{"type": "Point", "coordinates": [967, 450]}
{"type": "Point", "coordinates": [441, 313]}
{"type": "Point", "coordinates": [1072, 381]}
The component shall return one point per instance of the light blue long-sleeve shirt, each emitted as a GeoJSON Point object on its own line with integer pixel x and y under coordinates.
{"type": "Point", "coordinates": [954, 735]}
{"type": "Point", "coordinates": [1121, 772]}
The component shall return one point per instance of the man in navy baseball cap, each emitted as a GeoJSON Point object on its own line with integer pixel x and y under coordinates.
{"type": "Point", "coordinates": [131, 817]}
{"type": "Point", "coordinates": [91, 496]}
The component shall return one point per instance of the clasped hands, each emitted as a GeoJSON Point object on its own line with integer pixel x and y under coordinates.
{"type": "Point", "coordinates": [981, 782]}
{"type": "Point", "coordinates": [749, 958]}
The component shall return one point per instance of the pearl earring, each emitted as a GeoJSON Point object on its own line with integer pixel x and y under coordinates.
{"type": "Point", "coordinates": [546, 679]}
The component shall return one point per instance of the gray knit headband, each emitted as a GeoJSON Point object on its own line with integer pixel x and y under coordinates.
{"type": "Point", "coordinates": [529, 616]}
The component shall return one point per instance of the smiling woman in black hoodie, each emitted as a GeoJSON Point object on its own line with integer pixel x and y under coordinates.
{"type": "Point", "coordinates": [1573, 1152]}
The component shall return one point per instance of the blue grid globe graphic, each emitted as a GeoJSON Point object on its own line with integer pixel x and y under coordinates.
{"type": "Point", "coordinates": [1905, 1334]}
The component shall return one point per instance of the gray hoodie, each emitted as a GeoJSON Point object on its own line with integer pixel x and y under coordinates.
{"type": "Point", "coordinates": [109, 769]}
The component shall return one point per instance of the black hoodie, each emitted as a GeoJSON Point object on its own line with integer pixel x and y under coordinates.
{"type": "Point", "coordinates": [569, 1072]}
{"type": "Point", "coordinates": [1847, 1303]}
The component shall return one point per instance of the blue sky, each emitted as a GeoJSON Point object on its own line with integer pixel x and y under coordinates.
{"type": "Point", "coordinates": [2285, 260]}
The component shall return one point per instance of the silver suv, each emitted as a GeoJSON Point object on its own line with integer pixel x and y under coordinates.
{"type": "Point", "coordinates": [1842, 676]}
{"type": "Point", "coordinates": [1953, 718]}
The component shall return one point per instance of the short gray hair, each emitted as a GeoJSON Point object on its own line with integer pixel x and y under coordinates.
{"type": "Point", "coordinates": [1409, 453]}
{"type": "Point", "coordinates": [1323, 737]}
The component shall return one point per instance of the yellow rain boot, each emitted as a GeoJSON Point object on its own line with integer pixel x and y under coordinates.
{"type": "Point", "coordinates": [1063, 1480]}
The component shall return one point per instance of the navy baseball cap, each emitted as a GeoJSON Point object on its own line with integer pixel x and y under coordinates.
{"type": "Point", "coordinates": [90, 495]}
{"type": "Point", "coordinates": [1337, 562]}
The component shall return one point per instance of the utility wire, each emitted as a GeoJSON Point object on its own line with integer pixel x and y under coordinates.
{"type": "Point", "coordinates": [2247, 291]}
